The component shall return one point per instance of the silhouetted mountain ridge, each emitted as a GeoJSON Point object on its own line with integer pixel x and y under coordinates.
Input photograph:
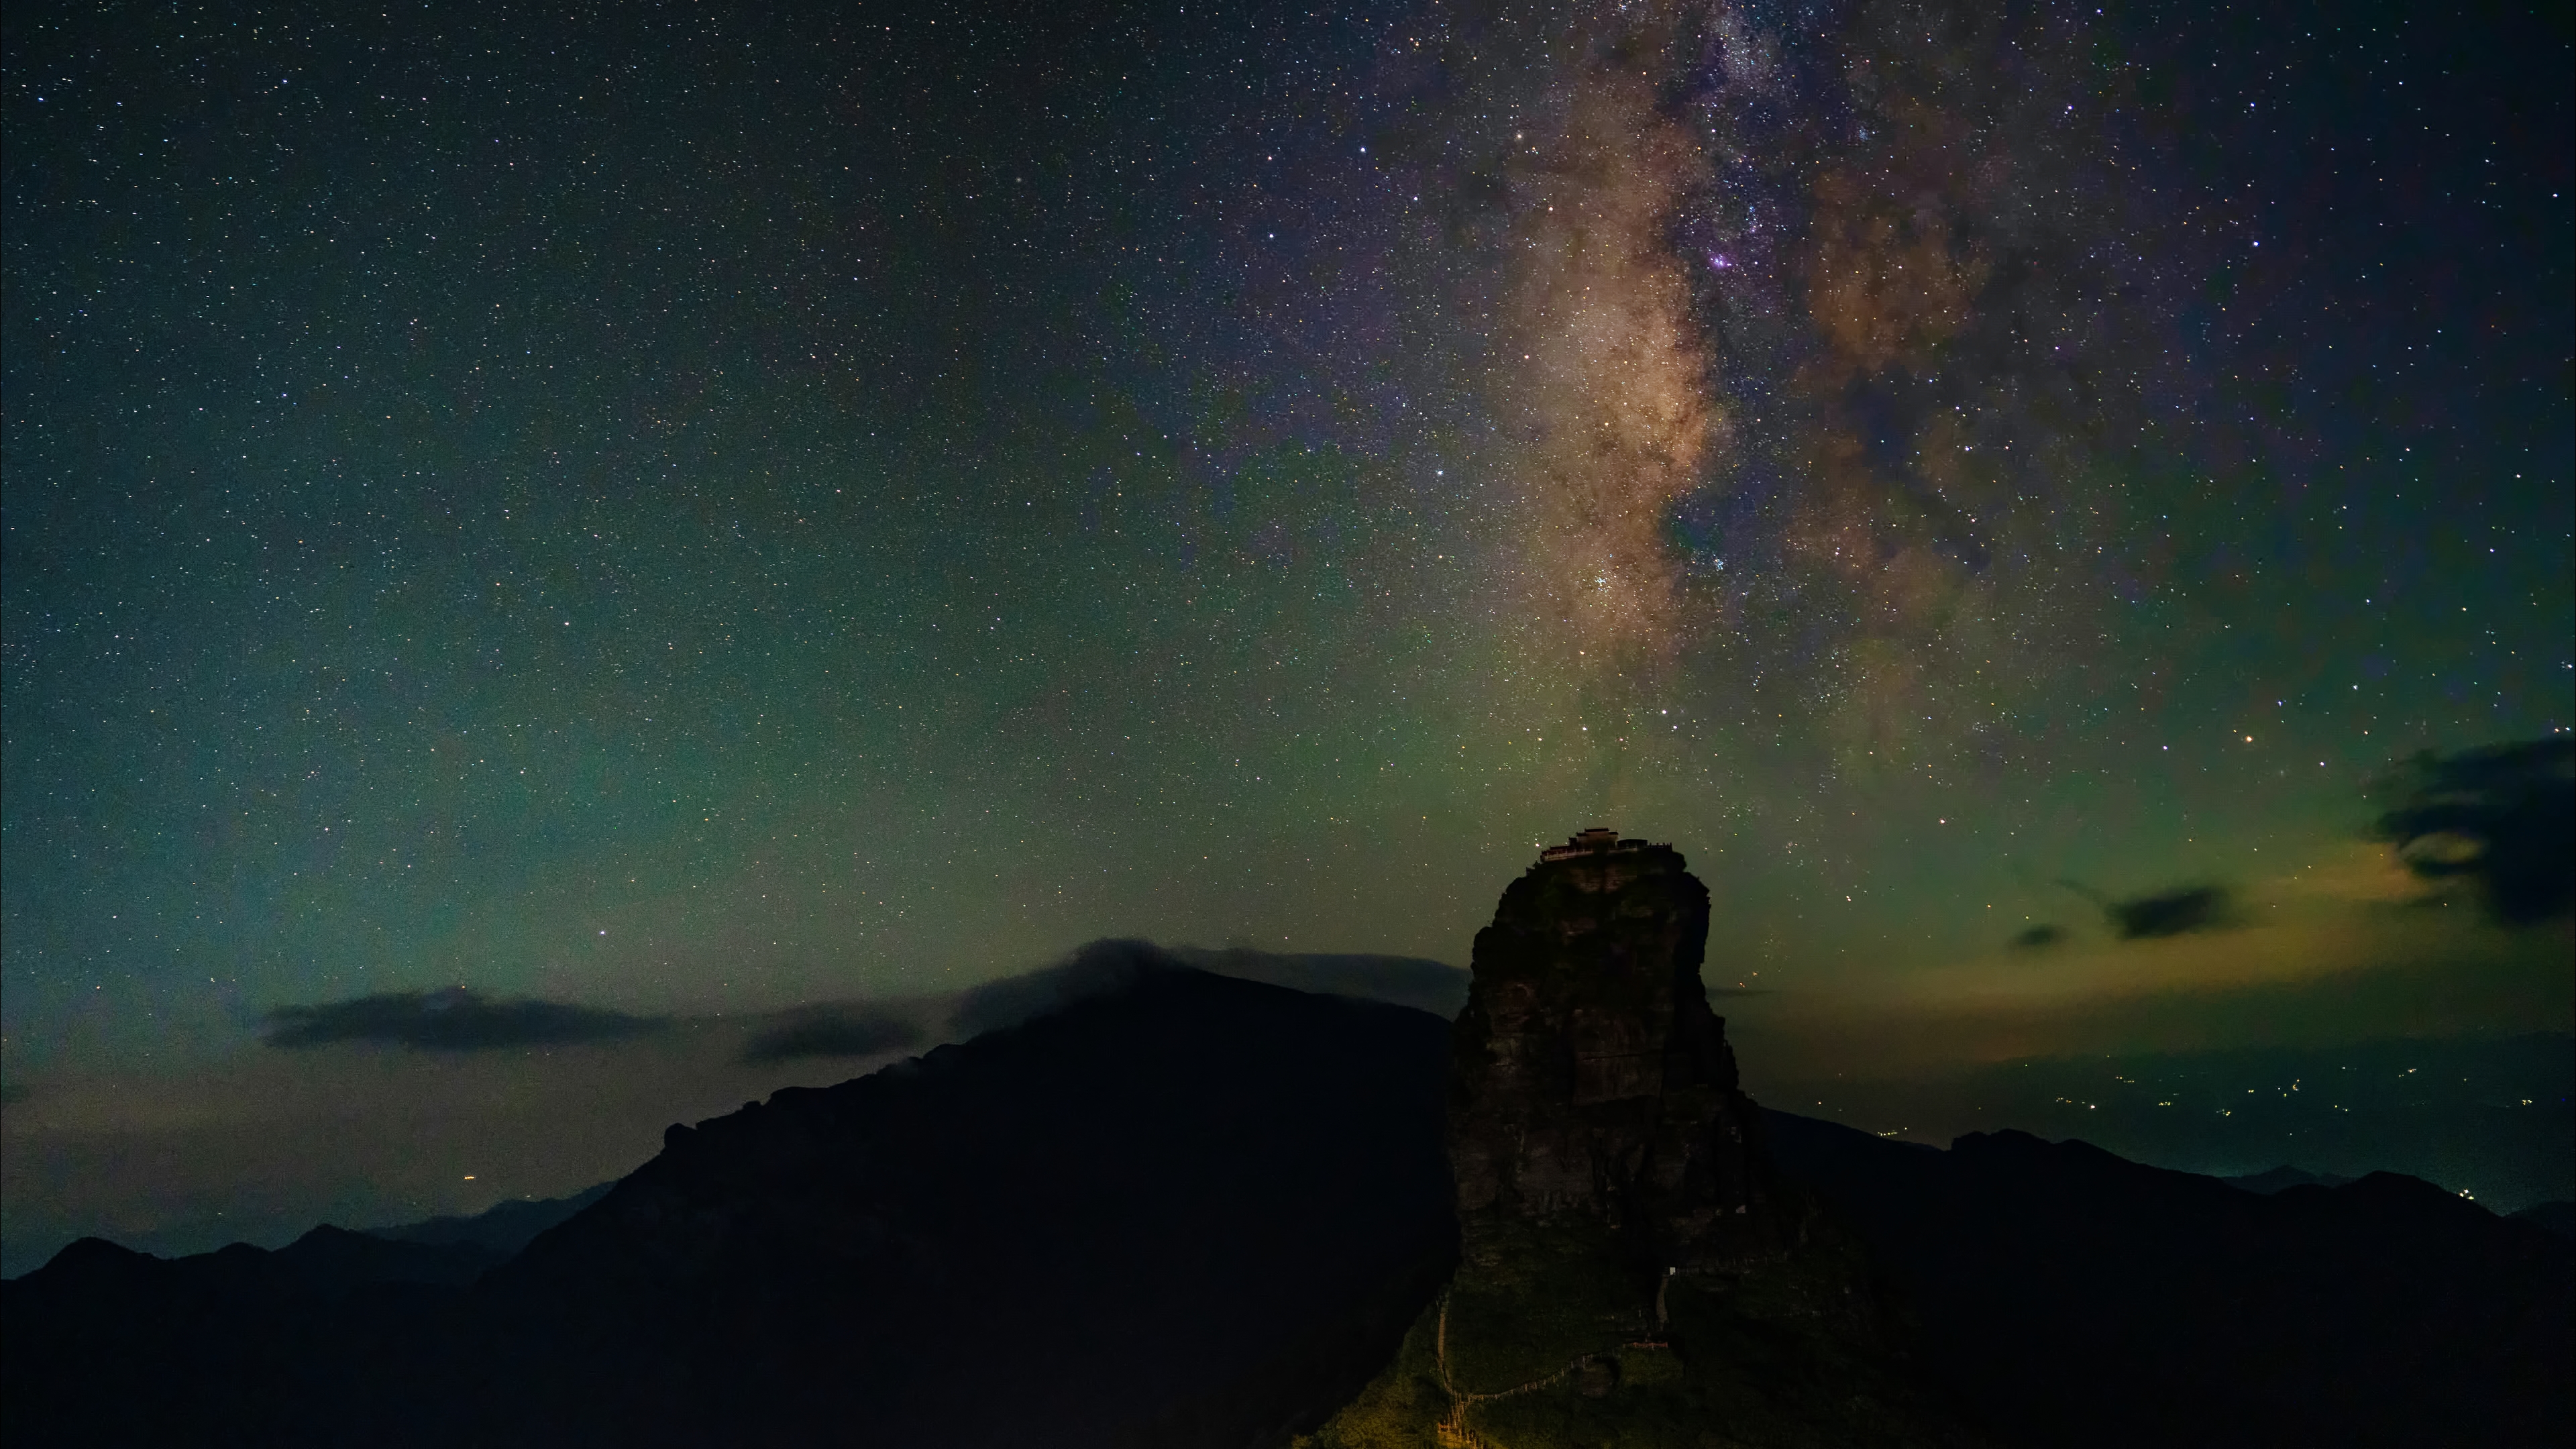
{"type": "Point", "coordinates": [1194, 1210]}
{"type": "Point", "coordinates": [1188, 1210]}
{"type": "Point", "coordinates": [2550, 1217]}
{"type": "Point", "coordinates": [2283, 1178]}
{"type": "Point", "coordinates": [504, 1227]}
{"type": "Point", "coordinates": [2077, 1298]}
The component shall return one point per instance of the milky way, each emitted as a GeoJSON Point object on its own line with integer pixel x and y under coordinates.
{"type": "Point", "coordinates": [682, 525]}
{"type": "Point", "coordinates": [1616, 418]}
{"type": "Point", "coordinates": [1821, 360]}
{"type": "Point", "coordinates": [739, 511]}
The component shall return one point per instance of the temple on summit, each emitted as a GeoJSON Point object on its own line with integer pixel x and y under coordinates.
{"type": "Point", "coordinates": [1595, 841]}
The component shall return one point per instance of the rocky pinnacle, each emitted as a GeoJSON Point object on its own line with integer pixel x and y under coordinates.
{"type": "Point", "coordinates": [1588, 1075]}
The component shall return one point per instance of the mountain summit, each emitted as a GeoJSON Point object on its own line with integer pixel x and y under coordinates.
{"type": "Point", "coordinates": [1182, 1210]}
{"type": "Point", "coordinates": [1589, 1078]}
{"type": "Point", "coordinates": [1631, 1269]}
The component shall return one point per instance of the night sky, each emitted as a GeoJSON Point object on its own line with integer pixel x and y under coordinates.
{"type": "Point", "coordinates": [680, 513]}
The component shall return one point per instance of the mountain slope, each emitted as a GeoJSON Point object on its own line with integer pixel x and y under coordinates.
{"type": "Point", "coordinates": [1114, 1222]}
{"type": "Point", "coordinates": [1197, 1211]}
{"type": "Point", "coordinates": [2076, 1298]}
{"type": "Point", "coordinates": [1201, 1211]}
{"type": "Point", "coordinates": [504, 1227]}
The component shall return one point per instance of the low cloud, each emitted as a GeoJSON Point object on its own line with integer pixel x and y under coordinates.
{"type": "Point", "coordinates": [2167, 913]}
{"type": "Point", "coordinates": [1104, 967]}
{"type": "Point", "coordinates": [2035, 937]}
{"type": "Point", "coordinates": [2504, 816]}
{"type": "Point", "coordinates": [1414, 981]}
{"type": "Point", "coordinates": [457, 1019]}
{"type": "Point", "coordinates": [2157, 915]}
{"type": "Point", "coordinates": [1097, 969]}
{"type": "Point", "coordinates": [832, 1031]}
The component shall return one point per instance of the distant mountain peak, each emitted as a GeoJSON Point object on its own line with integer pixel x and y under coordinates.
{"type": "Point", "coordinates": [2282, 1178]}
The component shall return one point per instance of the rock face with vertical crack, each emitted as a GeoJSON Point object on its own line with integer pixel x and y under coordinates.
{"type": "Point", "coordinates": [1589, 1080]}
{"type": "Point", "coordinates": [1630, 1269]}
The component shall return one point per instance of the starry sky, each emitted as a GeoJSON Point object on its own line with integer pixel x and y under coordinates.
{"type": "Point", "coordinates": [686, 512]}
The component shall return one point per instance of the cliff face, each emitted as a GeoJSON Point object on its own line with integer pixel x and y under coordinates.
{"type": "Point", "coordinates": [1629, 1269]}
{"type": "Point", "coordinates": [1588, 1077]}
